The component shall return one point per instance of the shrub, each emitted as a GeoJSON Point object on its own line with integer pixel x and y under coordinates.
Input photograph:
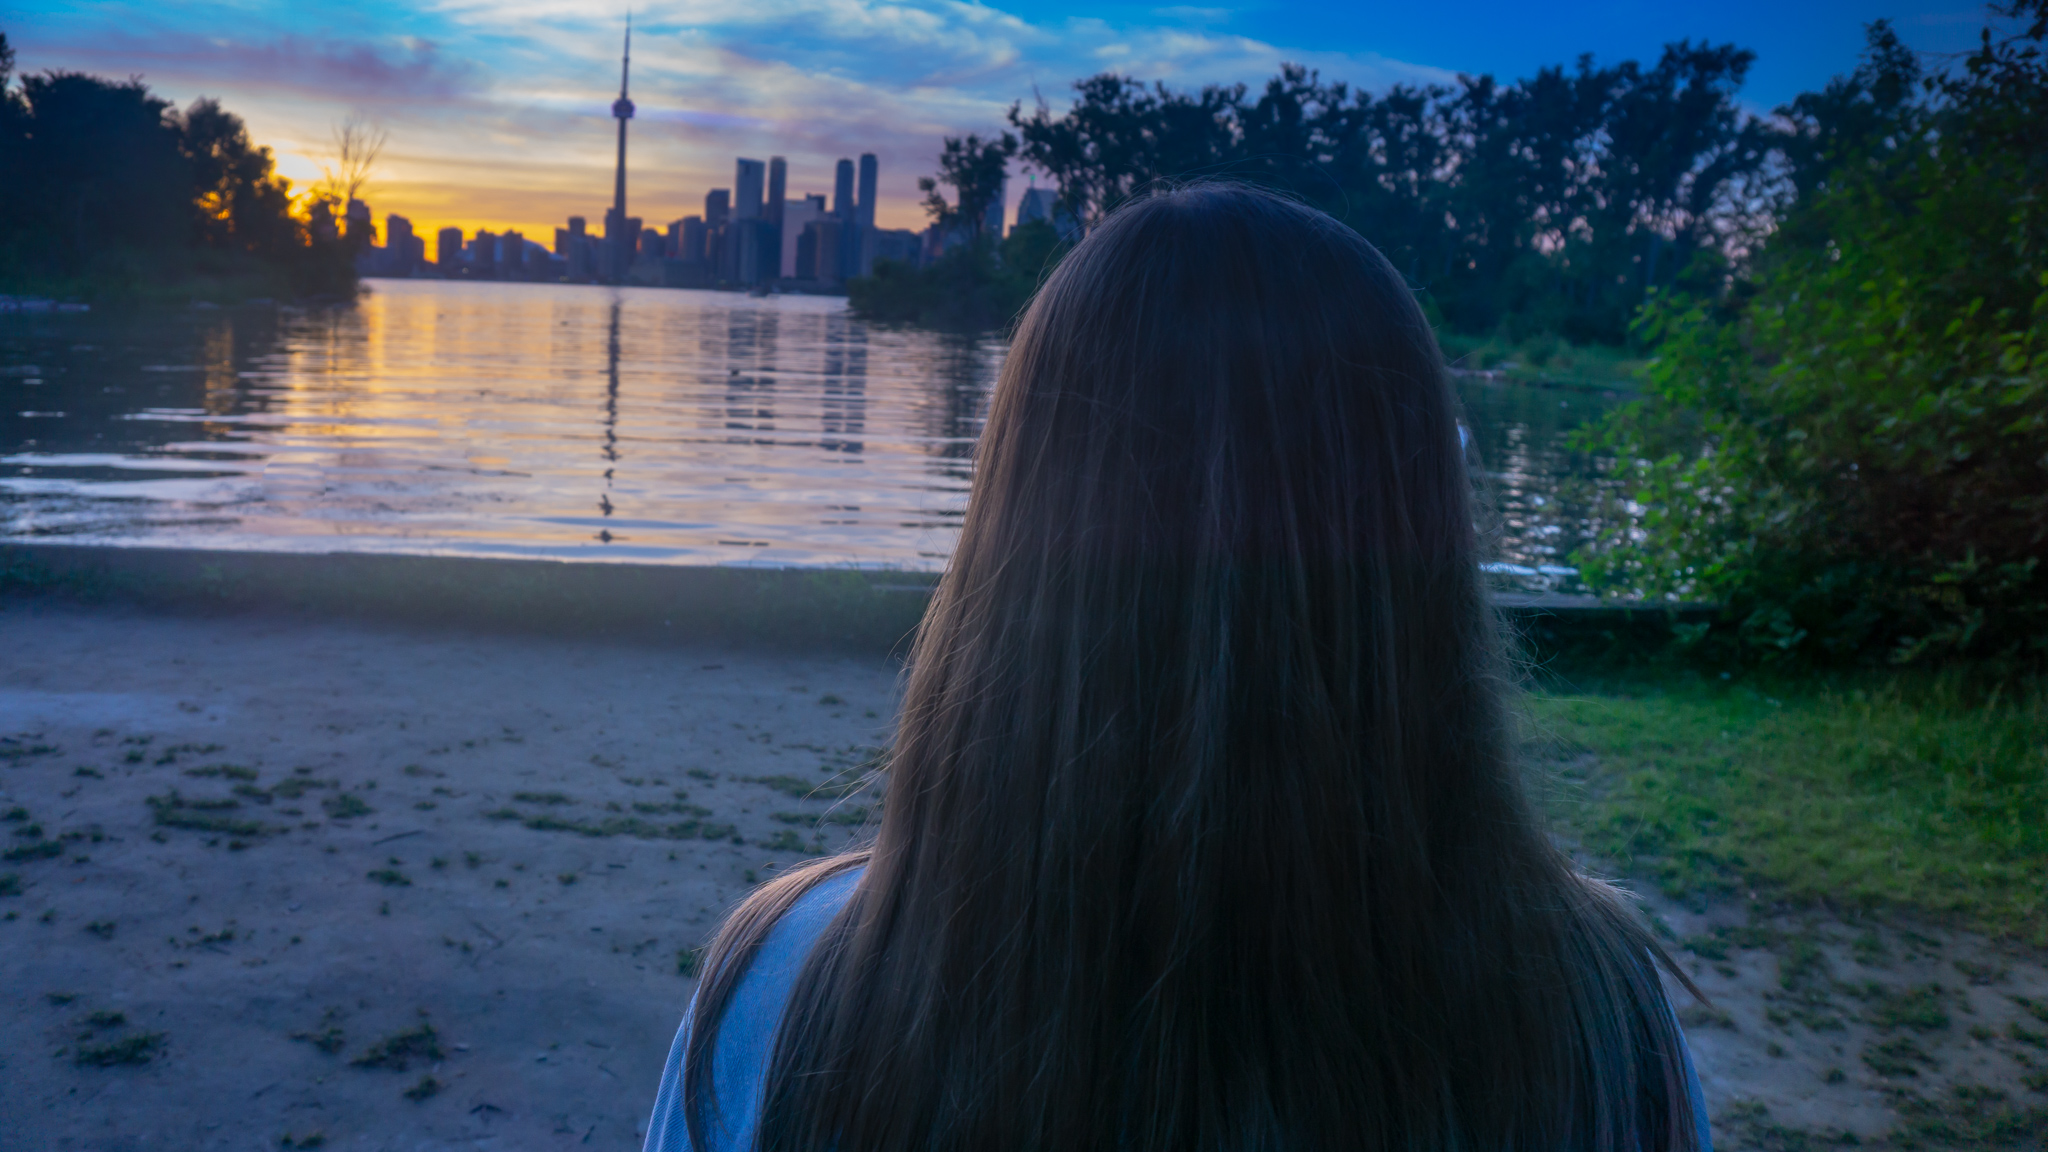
{"type": "Point", "coordinates": [1850, 451]}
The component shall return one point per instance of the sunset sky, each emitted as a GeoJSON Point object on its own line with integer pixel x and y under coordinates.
{"type": "Point", "coordinates": [498, 110]}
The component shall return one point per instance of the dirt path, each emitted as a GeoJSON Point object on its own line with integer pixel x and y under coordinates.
{"type": "Point", "coordinates": [447, 906]}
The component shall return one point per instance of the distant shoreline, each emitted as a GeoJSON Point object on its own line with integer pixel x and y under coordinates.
{"type": "Point", "coordinates": [778, 289]}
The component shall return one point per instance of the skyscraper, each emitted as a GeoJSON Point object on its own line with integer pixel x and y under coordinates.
{"type": "Point", "coordinates": [512, 256]}
{"type": "Point", "coordinates": [864, 210]}
{"type": "Point", "coordinates": [618, 241]}
{"type": "Point", "coordinates": [717, 206]}
{"type": "Point", "coordinates": [795, 215]}
{"type": "Point", "coordinates": [992, 220]}
{"type": "Point", "coordinates": [778, 187]}
{"type": "Point", "coordinates": [448, 248]}
{"type": "Point", "coordinates": [746, 189]}
{"type": "Point", "coordinates": [398, 245]}
{"type": "Point", "coordinates": [842, 191]}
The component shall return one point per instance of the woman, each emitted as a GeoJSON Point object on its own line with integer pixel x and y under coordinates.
{"type": "Point", "coordinates": [1203, 827]}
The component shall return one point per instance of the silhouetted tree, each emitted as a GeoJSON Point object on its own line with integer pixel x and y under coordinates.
{"type": "Point", "coordinates": [973, 168]}
{"type": "Point", "coordinates": [1555, 202]}
{"type": "Point", "coordinates": [107, 185]}
{"type": "Point", "coordinates": [240, 202]}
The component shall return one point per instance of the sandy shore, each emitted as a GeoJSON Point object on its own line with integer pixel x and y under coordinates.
{"type": "Point", "coordinates": [511, 842]}
{"type": "Point", "coordinates": [544, 960]}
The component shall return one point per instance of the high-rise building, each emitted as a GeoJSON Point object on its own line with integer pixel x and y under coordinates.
{"type": "Point", "coordinates": [992, 220]}
{"type": "Point", "coordinates": [483, 253]}
{"type": "Point", "coordinates": [448, 248]}
{"type": "Point", "coordinates": [898, 244]}
{"type": "Point", "coordinates": [796, 214]}
{"type": "Point", "coordinates": [861, 257]}
{"type": "Point", "coordinates": [746, 189]}
{"type": "Point", "coordinates": [1043, 204]}
{"type": "Point", "coordinates": [717, 207]}
{"type": "Point", "coordinates": [842, 191]}
{"type": "Point", "coordinates": [512, 256]}
{"type": "Point", "coordinates": [691, 247]}
{"type": "Point", "coordinates": [778, 187]}
{"type": "Point", "coordinates": [864, 211]}
{"type": "Point", "coordinates": [356, 225]}
{"type": "Point", "coordinates": [653, 245]}
{"type": "Point", "coordinates": [398, 245]}
{"type": "Point", "coordinates": [817, 250]}
{"type": "Point", "coordinates": [566, 239]}
{"type": "Point", "coordinates": [1036, 204]}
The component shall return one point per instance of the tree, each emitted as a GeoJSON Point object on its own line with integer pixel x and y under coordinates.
{"type": "Point", "coordinates": [974, 168]}
{"type": "Point", "coordinates": [109, 190]}
{"type": "Point", "coordinates": [358, 146]}
{"type": "Point", "coordinates": [101, 171]}
{"type": "Point", "coordinates": [240, 202]}
{"type": "Point", "coordinates": [1850, 452]}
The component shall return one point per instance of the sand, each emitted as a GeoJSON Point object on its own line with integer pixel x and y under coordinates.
{"type": "Point", "coordinates": [269, 980]}
{"type": "Point", "coordinates": [545, 961]}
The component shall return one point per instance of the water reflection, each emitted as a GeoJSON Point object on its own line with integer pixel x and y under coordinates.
{"type": "Point", "coordinates": [458, 419]}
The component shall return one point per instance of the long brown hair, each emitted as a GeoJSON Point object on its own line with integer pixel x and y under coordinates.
{"type": "Point", "coordinates": [1203, 828]}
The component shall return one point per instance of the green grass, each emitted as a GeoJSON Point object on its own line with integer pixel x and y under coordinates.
{"type": "Point", "coordinates": [1905, 792]}
{"type": "Point", "coordinates": [399, 1049]}
{"type": "Point", "coordinates": [136, 1049]}
{"type": "Point", "coordinates": [175, 811]}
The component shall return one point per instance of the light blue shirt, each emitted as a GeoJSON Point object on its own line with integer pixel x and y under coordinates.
{"type": "Point", "coordinates": [746, 1041]}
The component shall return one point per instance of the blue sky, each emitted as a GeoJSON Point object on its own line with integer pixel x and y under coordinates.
{"type": "Point", "coordinates": [497, 109]}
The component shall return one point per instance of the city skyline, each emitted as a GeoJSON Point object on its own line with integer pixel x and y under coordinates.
{"type": "Point", "coordinates": [499, 110]}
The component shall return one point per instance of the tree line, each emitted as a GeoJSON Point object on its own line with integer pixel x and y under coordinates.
{"type": "Point", "coordinates": [112, 190]}
{"type": "Point", "coordinates": [1554, 203]}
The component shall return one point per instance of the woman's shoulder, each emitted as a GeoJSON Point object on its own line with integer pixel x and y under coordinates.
{"type": "Point", "coordinates": [773, 971]}
{"type": "Point", "coordinates": [746, 1029]}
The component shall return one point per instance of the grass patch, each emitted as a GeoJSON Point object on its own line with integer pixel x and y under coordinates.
{"type": "Point", "coordinates": [398, 1050]}
{"type": "Point", "coordinates": [329, 1039]}
{"type": "Point", "coordinates": [1969, 1116]}
{"type": "Point", "coordinates": [391, 878]}
{"type": "Point", "coordinates": [649, 808]}
{"type": "Point", "coordinates": [10, 884]}
{"type": "Point", "coordinates": [804, 789]}
{"type": "Point", "coordinates": [139, 1048]}
{"type": "Point", "coordinates": [1904, 791]}
{"type": "Point", "coordinates": [38, 850]}
{"type": "Point", "coordinates": [175, 811]}
{"type": "Point", "coordinates": [542, 798]}
{"type": "Point", "coordinates": [1916, 1008]}
{"type": "Point", "coordinates": [13, 750]}
{"type": "Point", "coordinates": [294, 787]}
{"type": "Point", "coordinates": [346, 806]}
{"type": "Point", "coordinates": [226, 771]}
{"type": "Point", "coordinates": [619, 826]}
{"type": "Point", "coordinates": [788, 841]}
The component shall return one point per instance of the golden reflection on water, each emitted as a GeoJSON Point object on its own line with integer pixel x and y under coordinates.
{"type": "Point", "coordinates": [575, 423]}
{"type": "Point", "coordinates": [571, 422]}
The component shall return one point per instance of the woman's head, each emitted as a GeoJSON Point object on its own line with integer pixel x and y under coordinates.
{"type": "Point", "coordinates": [1201, 826]}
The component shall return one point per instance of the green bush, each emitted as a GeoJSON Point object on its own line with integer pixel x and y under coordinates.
{"type": "Point", "coordinates": [1849, 451]}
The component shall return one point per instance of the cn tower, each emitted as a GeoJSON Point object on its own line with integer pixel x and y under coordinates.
{"type": "Point", "coordinates": [619, 246]}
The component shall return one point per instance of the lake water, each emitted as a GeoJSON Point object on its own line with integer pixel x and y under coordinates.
{"type": "Point", "coordinates": [566, 422]}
